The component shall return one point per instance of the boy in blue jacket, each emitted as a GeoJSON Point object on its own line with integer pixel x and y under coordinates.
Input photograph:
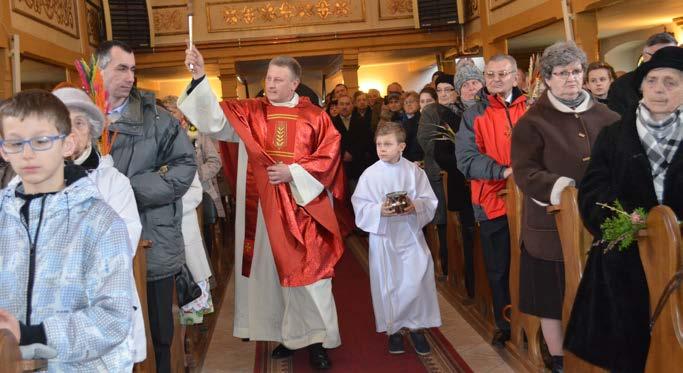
{"type": "Point", "coordinates": [65, 289]}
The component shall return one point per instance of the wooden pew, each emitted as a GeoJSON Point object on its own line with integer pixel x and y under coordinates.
{"type": "Point", "coordinates": [521, 324]}
{"type": "Point", "coordinates": [9, 352]}
{"type": "Point", "coordinates": [661, 254]}
{"type": "Point", "coordinates": [10, 357]}
{"type": "Point", "coordinates": [140, 274]}
{"type": "Point", "coordinates": [576, 241]}
{"type": "Point", "coordinates": [456, 256]}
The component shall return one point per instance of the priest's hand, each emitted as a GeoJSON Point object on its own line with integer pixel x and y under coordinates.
{"type": "Point", "coordinates": [279, 173]}
{"type": "Point", "coordinates": [8, 321]}
{"type": "Point", "coordinates": [194, 58]}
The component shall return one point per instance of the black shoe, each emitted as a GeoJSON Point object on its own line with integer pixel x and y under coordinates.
{"type": "Point", "coordinates": [500, 337]}
{"type": "Point", "coordinates": [557, 364]}
{"type": "Point", "coordinates": [396, 344]}
{"type": "Point", "coordinates": [420, 343]}
{"type": "Point", "coordinates": [281, 352]}
{"type": "Point", "coordinates": [318, 358]}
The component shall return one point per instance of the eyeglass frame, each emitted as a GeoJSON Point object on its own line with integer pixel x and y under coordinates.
{"type": "Point", "coordinates": [573, 73]}
{"type": "Point", "coordinates": [500, 74]}
{"type": "Point", "coordinates": [445, 90]}
{"type": "Point", "coordinates": [23, 143]}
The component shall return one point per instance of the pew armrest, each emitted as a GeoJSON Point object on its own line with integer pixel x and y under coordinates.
{"type": "Point", "coordinates": [32, 365]}
{"type": "Point", "coordinates": [553, 209]}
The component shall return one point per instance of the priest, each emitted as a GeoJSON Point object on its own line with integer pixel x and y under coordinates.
{"type": "Point", "coordinates": [287, 239]}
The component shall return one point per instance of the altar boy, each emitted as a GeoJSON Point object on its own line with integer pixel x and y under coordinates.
{"type": "Point", "coordinates": [401, 266]}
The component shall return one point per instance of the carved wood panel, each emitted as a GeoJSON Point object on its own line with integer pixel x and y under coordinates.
{"type": "Point", "coordinates": [60, 15]}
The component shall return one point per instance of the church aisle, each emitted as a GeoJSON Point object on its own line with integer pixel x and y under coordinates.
{"type": "Point", "coordinates": [227, 354]}
{"type": "Point", "coordinates": [457, 346]}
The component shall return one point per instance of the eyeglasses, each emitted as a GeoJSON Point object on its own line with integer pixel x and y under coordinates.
{"type": "Point", "coordinates": [499, 74]}
{"type": "Point", "coordinates": [566, 74]}
{"type": "Point", "coordinates": [37, 144]}
{"type": "Point", "coordinates": [445, 90]}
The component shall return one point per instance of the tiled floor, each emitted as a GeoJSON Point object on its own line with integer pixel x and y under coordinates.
{"type": "Point", "coordinates": [229, 354]}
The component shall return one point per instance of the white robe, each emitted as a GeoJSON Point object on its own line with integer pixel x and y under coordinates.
{"type": "Point", "coordinates": [401, 266]}
{"type": "Point", "coordinates": [195, 255]}
{"type": "Point", "coordinates": [264, 310]}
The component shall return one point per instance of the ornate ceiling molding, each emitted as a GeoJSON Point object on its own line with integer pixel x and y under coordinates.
{"type": "Point", "coordinates": [263, 15]}
{"type": "Point", "coordinates": [395, 9]}
{"type": "Point", "coordinates": [170, 20]}
{"type": "Point", "coordinates": [60, 15]}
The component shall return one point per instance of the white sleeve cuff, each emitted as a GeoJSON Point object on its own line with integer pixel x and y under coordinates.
{"type": "Point", "coordinates": [304, 186]}
{"type": "Point", "coordinates": [201, 107]}
{"type": "Point", "coordinates": [559, 186]}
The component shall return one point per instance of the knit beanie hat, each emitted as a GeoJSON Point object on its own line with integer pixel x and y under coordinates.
{"type": "Point", "coordinates": [75, 98]}
{"type": "Point", "coordinates": [465, 73]}
{"type": "Point", "coordinates": [444, 78]}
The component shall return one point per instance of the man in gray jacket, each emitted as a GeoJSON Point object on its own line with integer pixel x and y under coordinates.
{"type": "Point", "coordinates": [158, 158]}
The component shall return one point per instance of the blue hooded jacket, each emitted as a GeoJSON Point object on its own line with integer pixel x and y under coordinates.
{"type": "Point", "coordinates": [79, 280]}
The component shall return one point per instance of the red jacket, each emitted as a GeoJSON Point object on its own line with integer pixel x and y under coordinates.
{"type": "Point", "coordinates": [483, 145]}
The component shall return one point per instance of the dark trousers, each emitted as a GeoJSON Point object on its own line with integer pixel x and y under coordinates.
{"type": "Point", "coordinates": [160, 312]}
{"type": "Point", "coordinates": [495, 242]}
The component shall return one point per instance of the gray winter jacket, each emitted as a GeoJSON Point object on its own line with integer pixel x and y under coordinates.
{"type": "Point", "coordinates": [158, 158]}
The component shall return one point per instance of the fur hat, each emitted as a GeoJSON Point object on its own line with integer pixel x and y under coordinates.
{"type": "Point", "coordinates": [444, 78]}
{"type": "Point", "coordinates": [465, 73]}
{"type": "Point", "coordinates": [666, 57]}
{"type": "Point", "coordinates": [75, 98]}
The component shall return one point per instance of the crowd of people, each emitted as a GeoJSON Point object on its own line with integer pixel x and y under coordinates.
{"type": "Point", "coordinates": [75, 206]}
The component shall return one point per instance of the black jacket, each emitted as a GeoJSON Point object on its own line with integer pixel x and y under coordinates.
{"type": "Point", "coordinates": [358, 141]}
{"type": "Point", "coordinates": [623, 95]}
{"type": "Point", "coordinates": [413, 150]}
{"type": "Point", "coordinates": [609, 319]}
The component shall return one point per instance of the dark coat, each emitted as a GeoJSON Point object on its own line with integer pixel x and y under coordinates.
{"type": "Point", "coordinates": [413, 151]}
{"type": "Point", "coordinates": [548, 144]}
{"type": "Point", "coordinates": [358, 141]}
{"type": "Point", "coordinates": [623, 95]}
{"type": "Point", "coordinates": [440, 154]}
{"type": "Point", "coordinates": [149, 139]}
{"type": "Point", "coordinates": [609, 320]}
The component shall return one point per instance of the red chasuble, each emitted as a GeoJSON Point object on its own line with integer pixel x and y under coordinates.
{"type": "Point", "coordinates": [305, 240]}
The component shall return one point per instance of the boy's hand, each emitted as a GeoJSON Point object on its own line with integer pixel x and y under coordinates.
{"type": "Point", "coordinates": [387, 210]}
{"type": "Point", "coordinates": [410, 209]}
{"type": "Point", "coordinates": [9, 322]}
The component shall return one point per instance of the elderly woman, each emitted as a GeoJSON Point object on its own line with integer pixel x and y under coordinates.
{"type": "Point", "coordinates": [599, 77]}
{"type": "Point", "coordinates": [551, 146]}
{"type": "Point", "coordinates": [86, 124]}
{"type": "Point", "coordinates": [440, 156]}
{"type": "Point", "coordinates": [638, 162]}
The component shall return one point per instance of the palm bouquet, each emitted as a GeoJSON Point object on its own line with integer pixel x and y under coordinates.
{"type": "Point", "coordinates": [93, 84]}
{"type": "Point", "coordinates": [534, 81]}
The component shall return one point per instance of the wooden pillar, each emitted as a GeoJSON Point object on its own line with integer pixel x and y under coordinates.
{"type": "Point", "coordinates": [585, 27]}
{"type": "Point", "coordinates": [491, 47]}
{"type": "Point", "coordinates": [495, 47]}
{"type": "Point", "coordinates": [350, 69]}
{"type": "Point", "coordinates": [228, 78]}
{"type": "Point", "coordinates": [5, 74]}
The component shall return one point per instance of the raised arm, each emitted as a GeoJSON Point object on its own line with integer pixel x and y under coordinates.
{"type": "Point", "coordinates": [200, 105]}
